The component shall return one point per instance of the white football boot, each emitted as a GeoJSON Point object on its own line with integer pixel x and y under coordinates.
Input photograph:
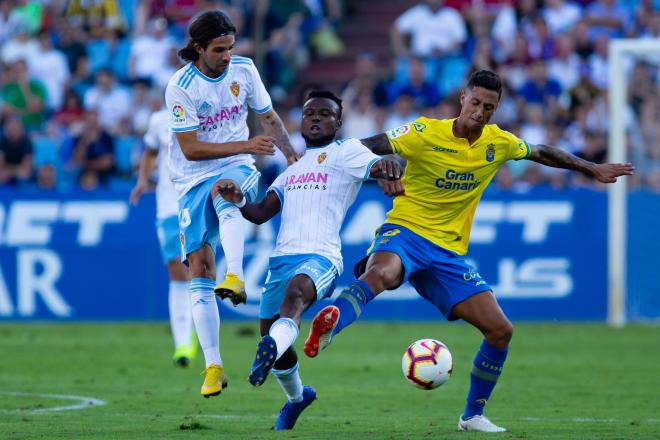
{"type": "Point", "coordinates": [478, 424]}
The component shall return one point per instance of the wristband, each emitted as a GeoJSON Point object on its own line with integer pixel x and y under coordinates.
{"type": "Point", "coordinates": [241, 203]}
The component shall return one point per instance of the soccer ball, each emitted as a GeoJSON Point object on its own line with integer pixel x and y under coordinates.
{"type": "Point", "coordinates": [427, 364]}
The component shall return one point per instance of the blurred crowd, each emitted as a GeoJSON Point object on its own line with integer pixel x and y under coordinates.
{"type": "Point", "coordinates": [79, 78]}
{"type": "Point", "coordinates": [553, 58]}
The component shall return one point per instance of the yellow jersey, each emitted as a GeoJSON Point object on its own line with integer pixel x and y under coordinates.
{"type": "Point", "coordinates": [446, 176]}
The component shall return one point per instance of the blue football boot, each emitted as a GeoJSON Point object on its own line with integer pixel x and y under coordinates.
{"type": "Point", "coordinates": [264, 360]}
{"type": "Point", "coordinates": [291, 410]}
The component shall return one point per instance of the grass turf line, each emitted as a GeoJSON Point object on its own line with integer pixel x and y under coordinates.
{"type": "Point", "coordinates": [561, 381]}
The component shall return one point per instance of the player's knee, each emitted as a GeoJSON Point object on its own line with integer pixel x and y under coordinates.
{"type": "Point", "coordinates": [294, 299]}
{"type": "Point", "coordinates": [199, 268]}
{"type": "Point", "coordinates": [177, 271]}
{"type": "Point", "coordinates": [502, 334]}
{"type": "Point", "coordinates": [380, 277]}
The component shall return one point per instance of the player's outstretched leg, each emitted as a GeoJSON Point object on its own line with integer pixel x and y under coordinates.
{"type": "Point", "coordinates": [351, 302]}
{"type": "Point", "coordinates": [479, 423]}
{"type": "Point", "coordinates": [232, 239]}
{"type": "Point", "coordinates": [482, 311]}
{"type": "Point", "coordinates": [486, 369]}
{"type": "Point", "coordinates": [298, 396]}
{"type": "Point", "coordinates": [232, 287]}
{"type": "Point", "coordinates": [320, 332]}
{"type": "Point", "coordinates": [263, 362]}
{"type": "Point", "coordinates": [215, 380]}
{"type": "Point", "coordinates": [185, 354]}
{"type": "Point", "coordinates": [296, 405]}
{"type": "Point", "coordinates": [346, 309]}
{"type": "Point", "coordinates": [207, 324]}
{"type": "Point", "coordinates": [281, 335]}
{"type": "Point", "coordinates": [181, 322]}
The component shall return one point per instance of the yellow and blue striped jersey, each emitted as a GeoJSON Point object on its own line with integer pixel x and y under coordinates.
{"type": "Point", "coordinates": [446, 176]}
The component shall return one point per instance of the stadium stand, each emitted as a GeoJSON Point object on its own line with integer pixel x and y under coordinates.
{"type": "Point", "coordinates": [386, 58]}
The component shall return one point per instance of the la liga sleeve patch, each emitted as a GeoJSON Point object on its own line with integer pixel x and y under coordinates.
{"type": "Point", "coordinates": [399, 131]}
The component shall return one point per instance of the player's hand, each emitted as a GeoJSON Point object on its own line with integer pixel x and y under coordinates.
{"type": "Point", "coordinates": [260, 145]}
{"type": "Point", "coordinates": [387, 168]}
{"type": "Point", "coordinates": [392, 188]}
{"type": "Point", "coordinates": [228, 190]}
{"type": "Point", "coordinates": [139, 189]}
{"type": "Point", "coordinates": [290, 160]}
{"type": "Point", "coordinates": [608, 172]}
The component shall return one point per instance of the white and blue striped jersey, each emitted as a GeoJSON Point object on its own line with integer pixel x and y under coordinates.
{"type": "Point", "coordinates": [158, 138]}
{"type": "Point", "coordinates": [217, 109]}
{"type": "Point", "coordinates": [315, 194]}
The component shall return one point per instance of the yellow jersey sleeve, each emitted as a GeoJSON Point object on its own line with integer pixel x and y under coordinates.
{"type": "Point", "coordinates": [516, 148]}
{"type": "Point", "coordinates": [408, 140]}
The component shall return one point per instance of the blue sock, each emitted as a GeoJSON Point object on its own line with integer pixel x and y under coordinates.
{"type": "Point", "coordinates": [351, 302]}
{"type": "Point", "coordinates": [486, 369]}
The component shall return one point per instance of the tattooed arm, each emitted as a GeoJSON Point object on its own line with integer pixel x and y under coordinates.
{"type": "Point", "coordinates": [273, 125]}
{"type": "Point", "coordinates": [558, 158]}
{"type": "Point", "coordinates": [379, 144]}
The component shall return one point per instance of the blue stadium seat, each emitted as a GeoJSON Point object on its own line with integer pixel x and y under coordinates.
{"type": "Point", "coordinates": [120, 184]}
{"type": "Point", "coordinates": [127, 8]}
{"type": "Point", "coordinates": [124, 146]}
{"type": "Point", "coordinates": [46, 151]}
{"type": "Point", "coordinates": [99, 54]}
{"type": "Point", "coordinates": [452, 72]}
{"type": "Point", "coordinates": [120, 59]}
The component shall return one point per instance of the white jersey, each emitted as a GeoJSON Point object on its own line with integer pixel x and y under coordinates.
{"type": "Point", "coordinates": [217, 109]}
{"type": "Point", "coordinates": [158, 138]}
{"type": "Point", "coordinates": [315, 193]}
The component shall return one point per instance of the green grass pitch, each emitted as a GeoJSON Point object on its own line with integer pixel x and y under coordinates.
{"type": "Point", "coordinates": [561, 381]}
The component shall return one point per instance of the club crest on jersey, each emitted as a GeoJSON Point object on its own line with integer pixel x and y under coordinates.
{"type": "Point", "coordinates": [235, 88]}
{"type": "Point", "coordinates": [490, 152]}
{"type": "Point", "coordinates": [419, 126]}
{"type": "Point", "coordinates": [321, 157]}
{"type": "Point", "coordinates": [399, 131]}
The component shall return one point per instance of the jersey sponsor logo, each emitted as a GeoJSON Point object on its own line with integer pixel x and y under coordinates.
{"type": "Point", "coordinates": [399, 131]}
{"type": "Point", "coordinates": [490, 152]}
{"type": "Point", "coordinates": [454, 180]}
{"type": "Point", "coordinates": [307, 178]}
{"type": "Point", "coordinates": [445, 150]}
{"type": "Point", "coordinates": [210, 122]}
{"type": "Point", "coordinates": [321, 157]}
{"type": "Point", "coordinates": [473, 275]}
{"type": "Point", "coordinates": [235, 88]}
{"type": "Point", "coordinates": [418, 126]}
{"type": "Point", "coordinates": [179, 114]}
{"type": "Point", "coordinates": [306, 181]}
{"type": "Point", "coordinates": [392, 233]}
